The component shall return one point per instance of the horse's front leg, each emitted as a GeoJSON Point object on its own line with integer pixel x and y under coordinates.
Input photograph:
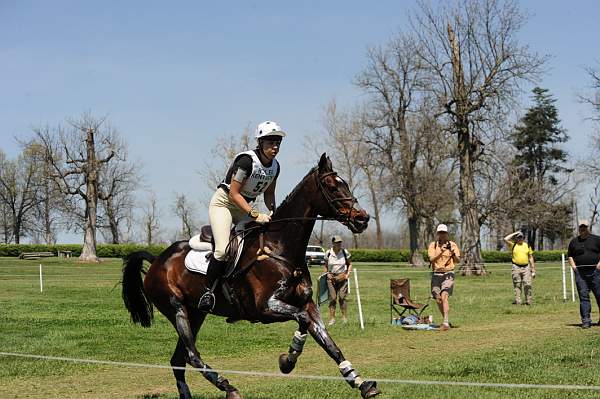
{"type": "Point", "coordinates": [277, 309]}
{"type": "Point", "coordinates": [316, 328]}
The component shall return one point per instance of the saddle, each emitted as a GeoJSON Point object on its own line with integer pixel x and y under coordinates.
{"type": "Point", "coordinates": [203, 245]}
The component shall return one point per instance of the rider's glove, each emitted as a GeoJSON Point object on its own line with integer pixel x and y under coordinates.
{"type": "Point", "coordinates": [263, 218]}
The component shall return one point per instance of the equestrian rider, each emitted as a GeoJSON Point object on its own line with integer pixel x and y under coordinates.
{"type": "Point", "coordinates": [252, 173]}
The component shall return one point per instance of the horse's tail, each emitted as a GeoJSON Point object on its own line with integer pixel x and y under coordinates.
{"type": "Point", "coordinates": [133, 294]}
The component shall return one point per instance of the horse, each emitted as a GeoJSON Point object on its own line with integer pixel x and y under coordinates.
{"type": "Point", "coordinates": [271, 283]}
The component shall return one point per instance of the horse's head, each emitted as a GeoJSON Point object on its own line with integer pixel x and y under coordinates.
{"type": "Point", "coordinates": [337, 199]}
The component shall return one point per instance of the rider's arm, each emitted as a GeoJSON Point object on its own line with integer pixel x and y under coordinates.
{"type": "Point", "coordinates": [269, 196]}
{"type": "Point", "coordinates": [236, 197]}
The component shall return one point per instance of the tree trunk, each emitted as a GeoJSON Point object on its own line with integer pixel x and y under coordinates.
{"type": "Point", "coordinates": [88, 253]}
{"type": "Point", "coordinates": [472, 263]}
{"type": "Point", "coordinates": [375, 203]}
{"type": "Point", "coordinates": [149, 234]}
{"type": "Point", "coordinates": [470, 227]}
{"type": "Point", "coordinates": [47, 221]}
{"type": "Point", "coordinates": [16, 231]}
{"type": "Point", "coordinates": [112, 222]}
{"type": "Point", "coordinates": [416, 257]}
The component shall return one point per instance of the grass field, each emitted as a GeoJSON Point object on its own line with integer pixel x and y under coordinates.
{"type": "Point", "coordinates": [80, 315]}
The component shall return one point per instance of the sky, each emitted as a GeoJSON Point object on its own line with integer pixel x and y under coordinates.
{"type": "Point", "coordinates": [173, 77]}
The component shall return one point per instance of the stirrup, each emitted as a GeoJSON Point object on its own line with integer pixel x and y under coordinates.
{"type": "Point", "coordinates": [207, 301]}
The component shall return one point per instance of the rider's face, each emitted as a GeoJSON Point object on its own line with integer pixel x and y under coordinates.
{"type": "Point", "coordinates": [271, 147]}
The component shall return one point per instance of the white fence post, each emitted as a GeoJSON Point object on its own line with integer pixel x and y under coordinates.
{"type": "Point", "coordinates": [41, 280]}
{"type": "Point", "coordinates": [564, 278]}
{"type": "Point", "coordinates": [348, 286]}
{"type": "Point", "coordinates": [360, 313]}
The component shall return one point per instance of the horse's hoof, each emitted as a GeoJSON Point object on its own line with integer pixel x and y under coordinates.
{"type": "Point", "coordinates": [235, 394]}
{"type": "Point", "coordinates": [285, 365]}
{"type": "Point", "coordinates": [368, 389]}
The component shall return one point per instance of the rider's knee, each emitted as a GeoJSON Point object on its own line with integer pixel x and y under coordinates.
{"type": "Point", "coordinates": [219, 254]}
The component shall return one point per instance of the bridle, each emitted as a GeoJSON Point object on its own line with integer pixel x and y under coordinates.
{"type": "Point", "coordinates": [341, 215]}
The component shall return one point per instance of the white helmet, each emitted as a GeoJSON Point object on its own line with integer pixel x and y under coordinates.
{"type": "Point", "coordinates": [268, 128]}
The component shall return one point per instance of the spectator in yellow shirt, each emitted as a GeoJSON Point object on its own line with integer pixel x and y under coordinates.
{"type": "Point", "coordinates": [523, 266]}
{"type": "Point", "coordinates": [443, 255]}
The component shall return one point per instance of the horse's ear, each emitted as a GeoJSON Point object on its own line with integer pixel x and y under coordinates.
{"type": "Point", "coordinates": [325, 163]}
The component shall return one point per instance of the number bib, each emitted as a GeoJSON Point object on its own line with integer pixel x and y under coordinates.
{"type": "Point", "coordinates": [260, 178]}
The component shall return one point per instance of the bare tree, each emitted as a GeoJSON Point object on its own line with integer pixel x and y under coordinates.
{"type": "Point", "coordinates": [77, 157]}
{"type": "Point", "coordinates": [20, 184]}
{"type": "Point", "coordinates": [51, 201]}
{"type": "Point", "coordinates": [118, 181]}
{"type": "Point", "coordinates": [345, 133]}
{"type": "Point", "coordinates": [182, 208]}
{"type": "Point", "coordinates": [593, 97]}
{"type": "Point", "coordinates": [150, 217]}
{"type": "Point", "coordinates": [476, 66]}
{"type": "Point", "coordinates": [5, 213]}
{"type": "Point", "coordinates": [223, 153]}
{"type": "Point", "coordinates": [395, 82]}
{"type": "Point", "coordinates": [591, 166]}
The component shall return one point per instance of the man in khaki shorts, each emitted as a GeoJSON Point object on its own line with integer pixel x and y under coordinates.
{"type": "Point", "coordinates": [523, 266]}
{"type": "Point", "coordinates": [443, 255]}
{"type": "Point", "coordinates": [338, 268]}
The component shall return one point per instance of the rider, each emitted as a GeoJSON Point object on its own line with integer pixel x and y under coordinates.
{"type": "Point", "coordinates": [252, 173]}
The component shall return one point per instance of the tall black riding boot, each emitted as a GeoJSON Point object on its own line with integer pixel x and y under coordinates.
{"type": "Point", "coordinates": [213, 273]}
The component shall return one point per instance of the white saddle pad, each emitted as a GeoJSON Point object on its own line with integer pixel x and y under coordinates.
{"type": "Point", "coordinates": [198, 258]}
{"type": "Point", "coordinates": [197, 261]}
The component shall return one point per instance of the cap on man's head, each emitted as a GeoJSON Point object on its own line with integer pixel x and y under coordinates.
{"type": "Point", "coordinates": [442, 228]}
{"type": "Point", "coordinates": [583, 222]}
{"type": "Point", "coordinates": [519, 235]}
{"type": "Point", "coordinates": [336, 239]}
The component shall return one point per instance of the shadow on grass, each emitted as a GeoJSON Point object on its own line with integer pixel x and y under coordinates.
{"type": "Point", "coordinates": [578, 325]}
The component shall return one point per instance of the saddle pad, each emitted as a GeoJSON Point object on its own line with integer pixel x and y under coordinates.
{"type": "Point", "coordinates": [197, 261]}
{"type": "Point", "coordinates": [198, 258]}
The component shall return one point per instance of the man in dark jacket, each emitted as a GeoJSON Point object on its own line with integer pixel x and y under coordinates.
{"type": "Point", "coordinates": [584, 258]}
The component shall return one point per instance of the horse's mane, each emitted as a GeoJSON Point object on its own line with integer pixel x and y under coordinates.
{"type": "Point", "coordinates": [288, 199]}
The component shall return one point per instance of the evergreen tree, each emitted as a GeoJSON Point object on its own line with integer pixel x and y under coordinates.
{"type": "Point", "coordinates": [539, 160]}
{"type": "Point", "coordinates": [536, 139]}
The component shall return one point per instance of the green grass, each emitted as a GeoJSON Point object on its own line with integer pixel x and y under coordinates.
{"type": "Point", "coordinates": [80, 315]}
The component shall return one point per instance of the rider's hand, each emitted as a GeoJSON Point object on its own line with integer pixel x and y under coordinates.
{"type": "Point", "coordinates": [263, 218]}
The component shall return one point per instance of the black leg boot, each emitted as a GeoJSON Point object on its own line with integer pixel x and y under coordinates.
{"type": "Point", "coordinates": [214, 272]}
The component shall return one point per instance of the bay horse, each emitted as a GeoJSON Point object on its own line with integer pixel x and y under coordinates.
{"type": "Point", "coordinates": [272, 282]}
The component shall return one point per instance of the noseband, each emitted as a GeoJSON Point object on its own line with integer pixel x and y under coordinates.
{"type": "Point", "coordinates": [331, 202]}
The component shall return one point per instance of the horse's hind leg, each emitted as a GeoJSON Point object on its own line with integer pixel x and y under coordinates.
{"type": "Point", "coordinates": [187, 334]}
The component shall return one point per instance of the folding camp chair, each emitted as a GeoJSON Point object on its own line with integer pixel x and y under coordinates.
{"type": "Point", "coordinates": [400, 298]}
